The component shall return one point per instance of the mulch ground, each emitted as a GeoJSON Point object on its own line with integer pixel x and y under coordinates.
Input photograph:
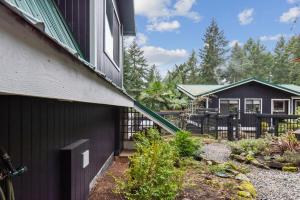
{"type": "Point", "coordinates": [197, 185]}
{"type": "Point", "coordinates": [105, 185]}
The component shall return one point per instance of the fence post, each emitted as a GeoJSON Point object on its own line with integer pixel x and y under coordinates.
{"type": "Point", "coordinates": [202, 125]}
{"type": "Point", "coordinates": [258, 127]}
{"type": "Point", "coordinates": [230, 128]}
{"type": "Point", "coordinates": [237, 130]}
{"type": "Point", "coordinates": [216, 125]}
{"type": "Point", "coordinates": [276, 123]}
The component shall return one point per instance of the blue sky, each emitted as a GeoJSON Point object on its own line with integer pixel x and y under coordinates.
{"type": "Point", "coordinates": [168, 30]}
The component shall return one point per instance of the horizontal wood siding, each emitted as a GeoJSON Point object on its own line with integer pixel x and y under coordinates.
{"type": "Point", "coordinates": [251, 90]}
{"type": "Point", "coordinates": [77, 16]}
{"type": "Point", "coordinates": [33, 130]}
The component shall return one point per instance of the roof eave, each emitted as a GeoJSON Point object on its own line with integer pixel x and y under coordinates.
{"type": "Point", "coordinates": [65, 49]}
{"type": "Point", "coordinates": [127, 17]}
{"type": "Point", "coordinates": [186, 92]}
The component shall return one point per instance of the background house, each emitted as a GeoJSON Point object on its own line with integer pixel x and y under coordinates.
{"type": "Point", "coordinates": [247, 97]}
{"type": "Point", "coordinates": [61, 92]}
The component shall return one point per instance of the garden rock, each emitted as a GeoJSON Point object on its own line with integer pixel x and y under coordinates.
{"type": "Point", "coordinates": [238, 158]}
{"type": "Point", "coordinates": [258, 164]}
{"type": "Point", "coordinates": [242, 177]}
{"type": "Point", "coordinates": [275, 165]}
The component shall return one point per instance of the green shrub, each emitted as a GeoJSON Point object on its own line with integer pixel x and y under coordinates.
{"type": "Point", "coordinates": [253, 146]}
{"type": "Point", "coordinates": [292, 157]}
{"type": "Point", "coordinates": [184, 144]}
{"type": "Point", "coordinates": [152, 174]}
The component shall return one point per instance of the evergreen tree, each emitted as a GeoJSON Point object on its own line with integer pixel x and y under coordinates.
{"type": "Point", "coordinates": [281, 65]}
{"type": "Point", "coordinates": [212, 55]}
{"type": "Point", "coordinates": [293, 48]}
{"type": "Point", "coordinates": [258, 61]}
{"type": "Point", "coordinates": [235, 70]}
{"type": "Point", "coordinates": [135, 70]}
{"type": "Point", "coordinates": [192, 69]}
{"type": "Point", "coordinates": [153, 75]}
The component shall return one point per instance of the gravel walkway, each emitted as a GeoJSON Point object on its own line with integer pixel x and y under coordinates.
{"type": "Point", "coordinates": [270, 184]}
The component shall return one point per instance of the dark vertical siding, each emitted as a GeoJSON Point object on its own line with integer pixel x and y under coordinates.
{"type": "Point", "coordinates": [105, 65]}
{"type": "Point", "coordinates": [34, 130]}
{"type": "Point", "coordinates": [76, 14]}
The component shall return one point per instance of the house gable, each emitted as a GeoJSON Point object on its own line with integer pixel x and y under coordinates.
{"type": "Point", "coordinates": [209, 90]}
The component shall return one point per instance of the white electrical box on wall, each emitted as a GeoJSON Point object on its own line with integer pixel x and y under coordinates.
{"type": "Point", "coordinates": [85, 158]}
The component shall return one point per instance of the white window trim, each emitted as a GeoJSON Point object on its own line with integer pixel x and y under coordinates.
{"type": "Point", "coordinates": [253, 99]}
{"type": "Point", "coordinates": [228, 99]}
{"type": "Point", "coordinates": [120, 39]}
{"type": "Point", "coordinates": [292, 104]}
{"type": "Point", "coordinates": [289, 105]}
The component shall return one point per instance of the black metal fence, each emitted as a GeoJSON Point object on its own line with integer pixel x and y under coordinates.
{"type": "Point", "coordinates": [276, 124]}
{"type": "Point", "coordinates": [133, 121]}
{"type": "Point", "coordinates": [236, 125]}
{"type": "Point", "coordinates": [233, 126]}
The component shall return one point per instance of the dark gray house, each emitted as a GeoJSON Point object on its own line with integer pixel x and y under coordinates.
{"type": "Point", "coordinates": [248, 96]}
{"type": "Point", "coordinates": [61, 92]}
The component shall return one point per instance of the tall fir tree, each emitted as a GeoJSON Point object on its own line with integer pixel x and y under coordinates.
{"type": "Point", "coordinates": [258, 62]}
{"type": "Point", "coordinates": [135, 70]}
{"type": "Point", "coordinates": [153, 75]}
{"type": "Point", "coordinates": [213, 53]}
{"type": "Point", "coordinates": [235, 70]}
{"type": "Point", "coordinates": [281, 65]}
{"type": "Point", "coordinates": [293, 48]}
{"type": "Point", "coordinates": [192, 69]}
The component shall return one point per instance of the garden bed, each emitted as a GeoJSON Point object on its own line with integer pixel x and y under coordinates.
{"type": "Point", "coordinates": [281, 153]}
{"type": "Point", "coordinates": [172, 168]}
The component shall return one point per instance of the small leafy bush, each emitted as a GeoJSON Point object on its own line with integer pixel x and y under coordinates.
{"type": "Point", "coordinates": [184, 144]}
{"type": "Point", "coordinates": [291, 157]}
{"type": "Point", "coordinates": [253, 146]}
{"type": "Point", "coordinates": [152, 174]}
{"type": "Point", "coordinates": [286, 142]}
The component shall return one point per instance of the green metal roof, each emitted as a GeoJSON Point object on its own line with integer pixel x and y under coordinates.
{"type": "Point", "coordinates": [46, 12]}
{"type": "Point", "coordinates": [196, 90]}
{"type": "Point", "coordinates": [203, 90]}
{"type": "Point", "coordinates": [293, 87]}
{"type": "Point", "coordinates": [159, 120]}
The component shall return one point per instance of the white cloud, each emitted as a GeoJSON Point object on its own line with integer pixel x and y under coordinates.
{"type": "Point", "coordinates": [291, 15]}
{"type": "Point", "coordinates": [246, 16]}
{"type": "Point", "coordinates": [234, 42]}
{"type": "Point", "coordinates": [164, 9]}
{"type": "Point", "coordinates": [163, 26]}
{"type": "Point", "coordinates": [164, 58]}
{"type": "Point", "coordinates": [153, 8]}
{"type": "Point", "coordinates": [141, 39]}
{"type": "Point", "coordinates": [184, 7]}
{"type": "Point", "coordinates": [293, 1]}
{"type": "Point", "coordinates": [273, 37]}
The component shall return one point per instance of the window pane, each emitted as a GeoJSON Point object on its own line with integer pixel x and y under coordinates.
{"type": "Point", "coordinates": [227, 106]}
{"type": "Point", "coordinates": [279, 105]}
{"type": "Point", "coordinates": [116, 34]}
{"type": "Point", "coordinates": [256, 102]}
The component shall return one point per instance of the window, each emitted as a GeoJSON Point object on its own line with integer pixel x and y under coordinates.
{"type": "Point", "coordinates": [112, 33]}
{"type": "Point", "coordinates": [278, 106]}
{"type": "Point", "coordinates": [229, 105]}
{"type": "Point", "coordinates": [253, 105]}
